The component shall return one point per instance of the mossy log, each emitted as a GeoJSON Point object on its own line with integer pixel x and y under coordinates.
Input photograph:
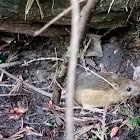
{"type": "Point", "coordinates": [106, 16]}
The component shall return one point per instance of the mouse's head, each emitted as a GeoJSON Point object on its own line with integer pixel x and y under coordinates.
{"type": "Point", "coordinates": [125, 86]}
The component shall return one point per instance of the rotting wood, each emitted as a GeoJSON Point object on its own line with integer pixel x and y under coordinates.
{"type": "Point", "coordinates": [28, 28]}
{"type": "Point", "coordinates": [12, 16]}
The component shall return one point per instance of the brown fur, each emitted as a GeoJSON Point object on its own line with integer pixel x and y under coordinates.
{"type": "Point", "coordinates": [93, 91]}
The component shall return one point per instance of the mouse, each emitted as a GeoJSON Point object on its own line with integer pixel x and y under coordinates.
{"type": "Point", "coordinates": [92, 91]}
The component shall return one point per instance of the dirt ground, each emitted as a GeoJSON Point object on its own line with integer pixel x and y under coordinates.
{"type": "Point", "coordinates": [26, 114]}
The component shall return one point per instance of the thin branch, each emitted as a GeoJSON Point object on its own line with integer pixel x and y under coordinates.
{"type": "Point", "coordinates": [72, 68]}
{"type": "Point", "coordinates": [6, 85]}
{"type": "Point", "coordinates": [131, 11]}
{"type": "Point", "coordinates": [110, 5]}
{"type": "Point", "coordinates": [1, 76]}
{"type": "Point", "coordinates": [86, 16]}
{"type": "Point", "coordinates": [53, 6]}
{"type": "Point", "coordinates": [40, 9]}
{"type": "Point", "coordinates": [41, 59]}
{"type": "Point", "coordinates": [55, 19]}
{"type": "Point", "coordinates": [5, 65]}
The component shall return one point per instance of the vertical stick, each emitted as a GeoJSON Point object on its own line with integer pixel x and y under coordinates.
{"type": "Point", "coordinates": [72, 68]}
{"type": "Point", "coordinates": [86, 16]}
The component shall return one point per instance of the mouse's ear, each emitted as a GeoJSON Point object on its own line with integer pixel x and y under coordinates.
{"type": "Point", "coordinates": [114, 86]}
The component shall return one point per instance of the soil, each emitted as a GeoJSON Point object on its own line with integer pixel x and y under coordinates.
{"type": "Point", "coordinates": [39, 121]}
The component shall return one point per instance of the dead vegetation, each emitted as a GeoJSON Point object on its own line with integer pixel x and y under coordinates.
{"type": "Point", "coordinates": [33, 83]}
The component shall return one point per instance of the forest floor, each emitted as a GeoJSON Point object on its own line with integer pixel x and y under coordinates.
{"type": "Point", "coordinates": [26, 114]}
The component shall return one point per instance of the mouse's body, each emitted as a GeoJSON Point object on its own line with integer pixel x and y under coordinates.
{"type": "Point", "coordinates": [92, 91]}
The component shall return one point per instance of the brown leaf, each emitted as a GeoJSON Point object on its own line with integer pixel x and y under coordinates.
{"type": "Point", "coordinates": [50, 104]}
{"type": "Point", "coordinates": [21, 110]}
{"type": "Point", "coordinates": [14, 117]}
{"type": "Point", "coordinates": [114, 131]}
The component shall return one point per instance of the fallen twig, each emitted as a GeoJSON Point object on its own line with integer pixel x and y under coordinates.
{"type": "Point", "coordinates": [1, 76]}
{"type": "Point", "coordinates": [5, 65]}
{"type": "Point", "coordinates": [96, 133]}
{"type": "Point", "coordinates": [3, 95]}
{"type": "Point", "coordinates": [6, 85]}
{"type": "Point", "coordinates": [41, 59]}
{"type": "Point", "coordinates": [19, 134]}
{"type": "Point", "coordinates": [135, 2]}
{"type": "Point", "coordinates": [18, 86]}
{"type": "Point", "coordinates": [28, 85]}
{"type": "Point", "coordinates": [103, 126]}
{"type": "Point", "coordinates": [82, 131]}
{"type": "Point", "coordinates": [79, 107]}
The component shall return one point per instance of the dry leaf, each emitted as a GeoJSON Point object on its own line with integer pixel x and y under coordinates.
{"type": "Point", "coordinates": [63, 92]}
{"type": "Point", "coordinates": [15, 109]}
{"type": "Point", "coordinates": [21, 110]}
{"type": "Point", "coordinates": [12, 111]}
{"type": "Point", "coordinates": [50, 104]}
{"type": "Point", "coordinates": [18, 110]}
{"type": "Point", "coordinates": [114, 131]}
{"type": "Point", "coordinates": [14, 117]}
{"type": "Point", "coordinates": [30, 132]}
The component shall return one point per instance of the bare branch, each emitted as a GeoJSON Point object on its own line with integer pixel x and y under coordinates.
{"type": "Point", "coordinates": [72, 68]}
{"type": "Point", "coordinates": [42, 59]}
{"type": "Point", "coordinates": [55, 19]}
{"type": "Point", "coordinates": [86, 16]}
{"type": "Point", "coordinates": [4, 65]}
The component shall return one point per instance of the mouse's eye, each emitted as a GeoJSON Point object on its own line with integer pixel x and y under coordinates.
{"type": "Point", "coordinates": [129, 89]}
